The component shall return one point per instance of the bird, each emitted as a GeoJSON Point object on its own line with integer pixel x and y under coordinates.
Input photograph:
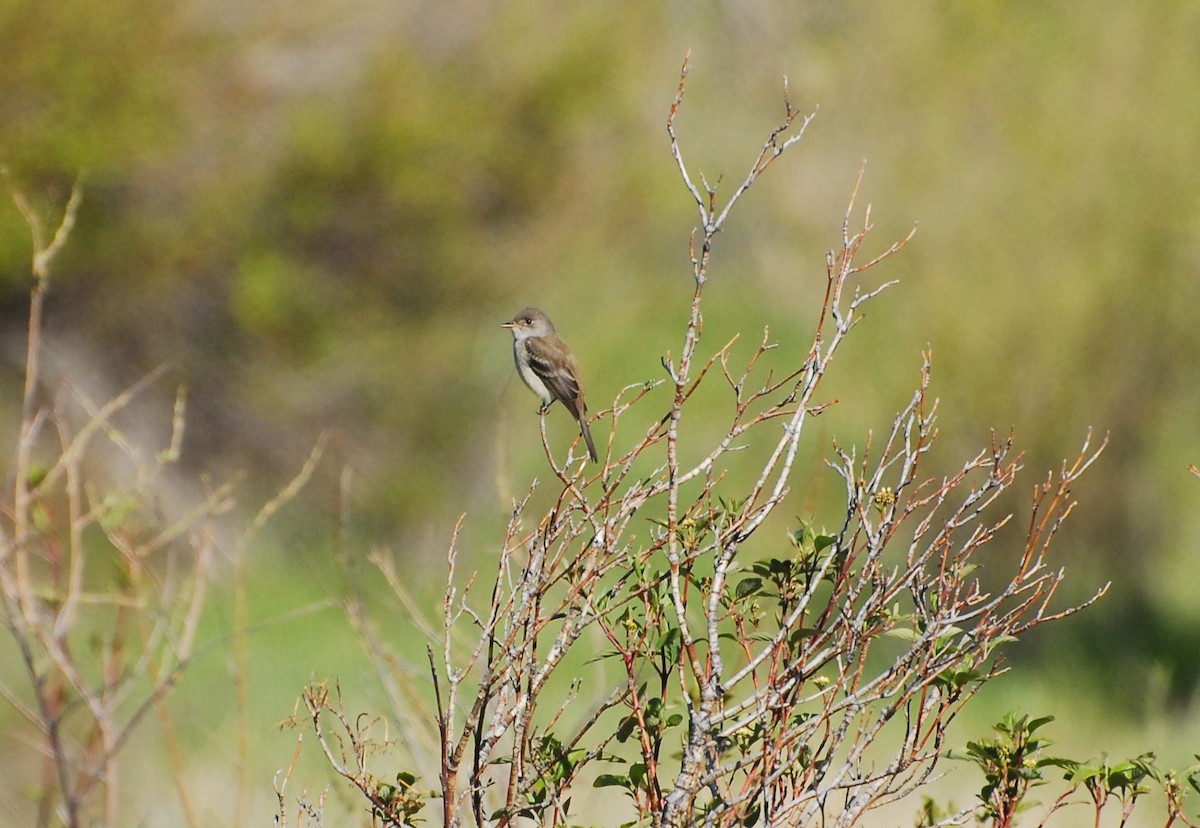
{"type": "Point", "coordinates": [547, 366]}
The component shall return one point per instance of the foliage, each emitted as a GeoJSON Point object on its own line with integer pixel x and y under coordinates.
{"type": "Point", "coordinates": [742, 681]}
{"type": "Point", "coordinates": [102, 585]}
{"type": "Point", "coordinates": [284, 197]}
{"type": "Point", "coordinates": [814, 684]}
{"type": "Point", "coordinates": [1016, 761]}
{"type": "Point", "coordinates": [274, 189]}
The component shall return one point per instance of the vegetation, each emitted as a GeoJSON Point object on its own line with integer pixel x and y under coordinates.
{"type": "Point", "coordinates": [741, 691]}
{"type": "Point", "coordinates": [312, 222]}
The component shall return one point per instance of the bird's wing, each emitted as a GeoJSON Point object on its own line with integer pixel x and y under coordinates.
{"type": "Point", "coordinates": [555, 366]}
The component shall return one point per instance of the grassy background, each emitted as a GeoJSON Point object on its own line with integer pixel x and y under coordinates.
{"type": "Point", "coordinates": [316, 217]}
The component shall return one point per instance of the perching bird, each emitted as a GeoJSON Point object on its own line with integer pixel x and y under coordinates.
{"type": "Point", "coordinates": [548, 367]}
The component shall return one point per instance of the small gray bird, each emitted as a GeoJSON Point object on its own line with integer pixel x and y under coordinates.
{"type": "Point", "coordinates": [548, 367]}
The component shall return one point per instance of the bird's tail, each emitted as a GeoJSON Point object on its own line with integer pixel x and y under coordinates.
{"type": "Point", "coordinates": [587, 437]}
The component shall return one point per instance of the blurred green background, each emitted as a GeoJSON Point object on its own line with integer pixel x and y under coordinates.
{"type": "Point", "coordinates": [317, 215]}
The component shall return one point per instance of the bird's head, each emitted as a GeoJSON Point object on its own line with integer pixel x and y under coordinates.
{"type": "Point", "coordinates": [529, 322]}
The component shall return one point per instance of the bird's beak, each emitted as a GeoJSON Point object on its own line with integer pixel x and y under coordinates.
{"type": "Point", "coordinates": [508, 324]}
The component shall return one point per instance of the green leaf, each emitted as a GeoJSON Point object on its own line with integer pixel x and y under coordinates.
{"type": "Point", "coordinates": [800, 633]}
{"type": "Point", "coordinates": [1036, 723]}
{"type": "Point", "coordinates": [993, 643]}
{"type": "Point", "coordinates": [1082, 773]}
{"type": "Point", "coordinates": [625, 728]}
{"type": "Point", "coordinates": [747, 587]}
{"type": "Point", "coordinates": [611, 780]}
{"type": "Point", "coordinates": [960, 678]}
{"type": "Point", "coordinates": [670, 645]}
{"type": "Point", "coordinates": [1194, 779]}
